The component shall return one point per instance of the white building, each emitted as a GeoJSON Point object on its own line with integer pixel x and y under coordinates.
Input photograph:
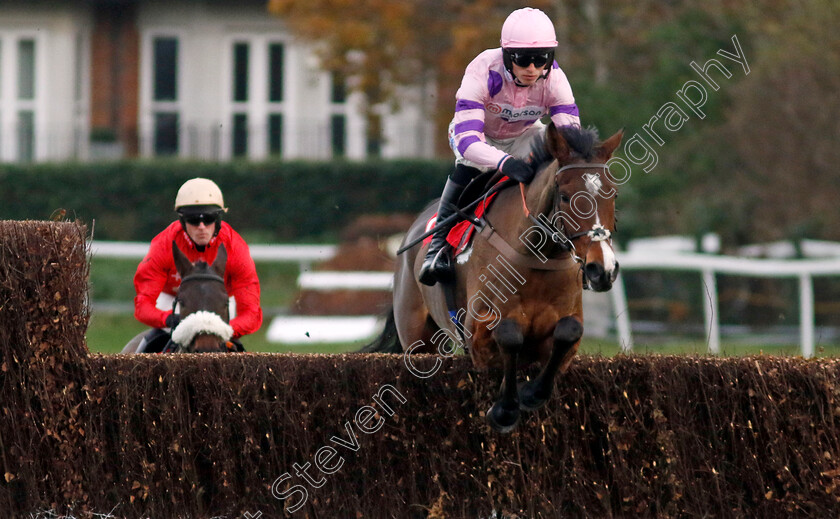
{"type": "Point", "coordinates": [205, 79]}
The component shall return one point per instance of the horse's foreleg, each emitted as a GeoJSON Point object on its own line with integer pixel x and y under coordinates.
{"type": "Point", "coordinates": [534, 394]}
{"type": "Point", "coordinates": [504, 415]}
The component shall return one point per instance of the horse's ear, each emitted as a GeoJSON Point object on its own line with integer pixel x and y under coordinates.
{"type": "Point", "coordinates": [556, 144]}
{"type": "Point", "coordinates": [182, 264]}
{"type": "Point", "coordinates": [606, 149]}
{"type": "Point", "coordinates": [220, 261]}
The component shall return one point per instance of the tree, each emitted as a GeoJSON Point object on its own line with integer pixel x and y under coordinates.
{"type": "Point", "coordinates": [784, 123]}
{"type": "Point", "coordinates": [382, 45]}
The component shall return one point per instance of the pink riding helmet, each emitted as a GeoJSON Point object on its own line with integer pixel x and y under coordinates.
{"type": "Point", "coordinates": [528, 28]}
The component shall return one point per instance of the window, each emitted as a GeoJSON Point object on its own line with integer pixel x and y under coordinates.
{"type": "Point", "coordinates": [26, 92]}
{"type": "Point", "coordinates": [26, 136]}
{"type": "Point", "coordinates": [240, 97]}
{"type": "Point", "coordinates": [338, 119]}
{"type": "Point", "coordinates": [339, 89]}
{"type": "Point", "coordinates": [79, 70]}
{"type": "Point", "coordinates": [166, 133]}
{"type": "Point", "coordinates": [338, 130]}
{"type": "Point", "coordinates": [81, 118]}
{"type": "Point", "coordinates": [26, 69]}
{"type": "Point", "coordinates": [240, 135]}
{"type": "Point", "coordinates": [240, 72]}
{"type": "Point", "coordinates": [21, 98]}
{"type": "Point", "coordinates": [165, 110]}
{"type": "Point", "coordinates": [256, 97]}
{"type": "Point", "coordinates": [275, 135]}
{"type": "Point", "coordinates": [275, 72]}
{"type": "Point", "coordinates": [165, 69]}
{"type": "Point", "coordinates": [276, 57]}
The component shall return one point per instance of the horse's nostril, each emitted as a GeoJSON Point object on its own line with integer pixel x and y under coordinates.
{"type": "Point", "coordinates": [594, 270]}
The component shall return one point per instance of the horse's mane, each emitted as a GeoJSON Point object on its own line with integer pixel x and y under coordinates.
{"type": "Point", "coordinates": [582, 142]}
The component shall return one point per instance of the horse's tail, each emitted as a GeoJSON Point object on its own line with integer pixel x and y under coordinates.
{"type": "Point", "coordinates": [388, 341]}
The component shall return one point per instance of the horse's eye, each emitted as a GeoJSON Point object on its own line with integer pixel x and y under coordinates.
{"type": "Point", "coordinates": [564, 198]}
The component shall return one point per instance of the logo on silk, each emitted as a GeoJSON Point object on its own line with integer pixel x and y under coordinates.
{"type": "Point", "coordinates": [513, 114]}
{"type": "Point", "coordinates": [493, 108]}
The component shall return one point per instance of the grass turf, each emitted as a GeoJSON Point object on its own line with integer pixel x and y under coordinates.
{"type": "Point", "coordinates": [108, 333]}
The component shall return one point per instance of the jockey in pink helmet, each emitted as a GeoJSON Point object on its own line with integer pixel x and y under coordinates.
{"type": "Point", "coordinates": [503, 95]}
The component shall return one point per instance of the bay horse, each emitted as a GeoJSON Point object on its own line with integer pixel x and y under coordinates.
{"type": "Point", "coordinates": [517, 294]}
{"type": "Point", "coordinates": [203, 307]}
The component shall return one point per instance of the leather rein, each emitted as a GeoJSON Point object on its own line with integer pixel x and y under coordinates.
{"type": "Point", "coordinates": [560, 237]}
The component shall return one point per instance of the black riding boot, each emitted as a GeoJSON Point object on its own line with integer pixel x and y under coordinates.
{"type": "Point", "coordinates": [438, 265]}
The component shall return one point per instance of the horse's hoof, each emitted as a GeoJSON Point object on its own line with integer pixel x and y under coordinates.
{"type": "Point", "coordinates": [568, 330]}
{"type": "Point", "coordinates": [502, 420]}
{"type": "Point", "coordinates": [529, 400]}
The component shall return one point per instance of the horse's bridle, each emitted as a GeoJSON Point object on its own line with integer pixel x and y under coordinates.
{"type": "Point", "coordinates": [559, 236]}
{"type": "Point", "coordinates": [200, 276]}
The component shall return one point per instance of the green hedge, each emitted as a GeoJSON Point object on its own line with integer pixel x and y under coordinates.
{"type": "Point", "coordinates": [273, 201]}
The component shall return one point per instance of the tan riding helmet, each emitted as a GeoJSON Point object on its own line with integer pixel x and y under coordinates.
{"type": "Point", "coordinates": [199, 191]}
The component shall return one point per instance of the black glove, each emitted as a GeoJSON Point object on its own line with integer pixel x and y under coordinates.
{"type": "Point", "coordinates": [518, 170]}
{"type": "Point", "coordinates": [172, 320]}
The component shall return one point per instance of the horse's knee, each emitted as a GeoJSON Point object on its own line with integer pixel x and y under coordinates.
{"type": "Point", "coordinates": [508, 335]}
{"type": "Point", "coordinates": [568, 331]}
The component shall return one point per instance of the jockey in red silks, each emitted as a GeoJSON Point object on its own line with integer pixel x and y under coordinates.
{"type": "Point", "coordinates": [503, 95]}
{"type": "Point", "coordinates": [198, 232]}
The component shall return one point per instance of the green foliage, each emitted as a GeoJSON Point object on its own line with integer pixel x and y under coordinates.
{"type": "Point", "coordinates": [111, 279]}
{"type": "Point", "coordinates": [278, 201]}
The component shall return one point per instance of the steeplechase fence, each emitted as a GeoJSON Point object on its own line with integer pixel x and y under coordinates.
{"type": "Point", "coordinates": [279, 435]}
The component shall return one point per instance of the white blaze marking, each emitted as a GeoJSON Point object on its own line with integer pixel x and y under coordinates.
{"type": "Point", "coordinates": [609, 257]}
{"type": "Point", "coordinates": [606, 245]}
{"type": "Point", "coordinates": [593, 183]}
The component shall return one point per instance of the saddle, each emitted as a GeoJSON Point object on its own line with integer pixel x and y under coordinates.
{"type": "Point", "coordinates": [461, 233]}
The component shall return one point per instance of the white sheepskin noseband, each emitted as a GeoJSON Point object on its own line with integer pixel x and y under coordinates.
{"type": "Point", "coordinates": [201, 322]}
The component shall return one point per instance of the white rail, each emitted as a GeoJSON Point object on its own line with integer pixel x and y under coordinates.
{"type": "Point", "coordinates": [346, 280]}
{"type": "Point", "coordinates": [303, 254]}
{"type": "Point", "coordinates": [709, 266]}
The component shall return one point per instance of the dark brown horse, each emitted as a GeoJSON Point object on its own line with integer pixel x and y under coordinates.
{"type": "Point", "coordinates": [517, 295]}
{"type": "Point", "coordinates": [203, 306]}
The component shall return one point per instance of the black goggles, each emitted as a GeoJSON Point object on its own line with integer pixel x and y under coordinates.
{"type": "Point", "coordinates": [524, 59]}
{"type": "Point", "coordinates": [205, 218]}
